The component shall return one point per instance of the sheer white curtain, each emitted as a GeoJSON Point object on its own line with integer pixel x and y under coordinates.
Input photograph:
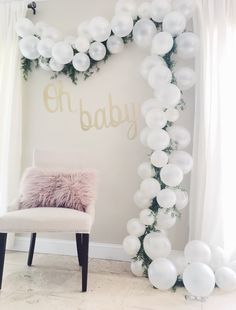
{"type": "Point", "coordinates": [213, 192]}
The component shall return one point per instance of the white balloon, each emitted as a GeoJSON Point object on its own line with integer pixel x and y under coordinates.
{"type": "Point", "coordinates": [166, 198]}
{"type": "Point", "coordinates": [83, 30]}
{"type": "Point", "coordinates": [171, 175]}
{"type": "Point", "coordinates": [97, 51]}
{"type": "Point", "coordinates": [159, 9]}
{"type": "Point", "coordinates": [144, 10]}
{"type": "Point", "coordinates": [39, 28]}
{"type": "Point", "coordinates": [148, 63]}
{"type": "Point", "coordinates": [62, 53]}
{"type": "Point", "coordinates": [218, 258]}
{"type": "Point", "coordinates": [187, 45]}
{"type": "Point", "coordinates": [156, 245]}
{"type": "Point", "coordinates": [115, 44]}
{"type": "Point", "coordinates": [55, 66]}
{"type": "Point", "coordinates": [81, 62]}
{"type": "Point", "coordinates": [180, 136]}
{"type": "Point", "coordinates": [158, 139]}
{"type": "Point", "coordinates": [162, 274]}
{"type": "Point", "coordinates": [185, 78]}
{"type": "Point", "coordinates": [51, 33]}
{"type": "Point", "coordinates": [127, 7]}
{"type": "Point", "coordinates": [24, 27]}
{"type": "Point", "coordinates": [149, 105]}
{"type": "Point", "coordinates": [181, 199]}
{"type": "Point", "coordinates": [70, 40]}
{"type": "Point", "coordinates": [147, 217]}
{"type": "Point", "coordinates": [226, 279]}
{"type": "Point", "coordinates": [143, 32]}
{"type": "Point", "coordinates": [159, 159]}
{"type": "Point", "coordinates": [174, 23]}
{"type": "Point", "coordinates": [150, 187]}
{"type": "Point", "coordinates": [137, 268]}
{"type": "Point", "coordinates": [172, 114]}
{"type": "Point", "coordinates": [164, 220]}
{"type": "Point", "coordinates": [182, 159]}
{"type": "Point", "coordinates": [143, 135]}
{"type": "Point", "coordinates": [232, 265]}
{"type": "Point", "coordinates": [180, 263]}
{"type": "Point", "coordinates": [44, 64]}
{"type": "Point", "coordinates": [197, 251]}
{"type": "Point", "coordinates": [159, 76]}
{"type": "Point", "coordinates": [122, 24]}
{"type": "Point", "coordinates": [145, 170]}
{"type": "Point", "coordinates": [45, 47]}
{"type": "Point", "coordinates": [186, 7]}
{"type": "Point", "coordinates": [155, 118]}
{"type": "Point", "coordinates": [135, 227]}
{"type": "Point", "coordinates": [199, 279]}
{"type": "Point", "coordinates": [100, 29]}
{"type": "Point", "coordinates": [28, 47]}
{"type": "Point", "coordinates": [82, 44]}
{"type": "Point", "coordinates": [131, 245]}
{"type": "Point", "coordinates": [162, 43]}
{"type": "Point", "coordinates": [141, 200]}
{"type": "Point", "coordinates": [168, 95]}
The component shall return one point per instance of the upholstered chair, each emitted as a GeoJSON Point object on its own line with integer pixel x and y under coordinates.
{"type": "Point", "coordinates": [37, 220]}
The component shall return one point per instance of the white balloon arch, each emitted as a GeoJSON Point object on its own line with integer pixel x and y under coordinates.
{"type": "Point", "coordinates": [159, 26]}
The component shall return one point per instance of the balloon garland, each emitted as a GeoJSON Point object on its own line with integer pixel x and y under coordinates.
{"type": "Point", "coordinates": [159, 25]}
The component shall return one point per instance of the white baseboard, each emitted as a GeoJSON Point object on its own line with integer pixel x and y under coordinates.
{"type": "Point", "coordinates": [66, 247]}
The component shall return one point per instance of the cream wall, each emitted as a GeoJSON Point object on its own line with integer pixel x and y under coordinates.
{"type": "Point", "coordinates": [109, 149]}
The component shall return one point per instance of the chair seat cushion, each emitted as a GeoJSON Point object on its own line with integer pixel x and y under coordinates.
{"type": "Point", "coordinates": [46, 220]}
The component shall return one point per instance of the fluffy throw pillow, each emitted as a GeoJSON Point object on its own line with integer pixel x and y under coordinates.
{"type": "Point", "coordinates": [51, 188]}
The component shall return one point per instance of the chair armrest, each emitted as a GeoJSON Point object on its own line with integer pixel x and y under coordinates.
{"type": "Point", "coordinates": [91, 210]}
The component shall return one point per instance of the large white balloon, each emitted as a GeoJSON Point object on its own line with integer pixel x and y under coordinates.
{"type": "Point", "coordinates": [162, 273]}
{"type": "Point", "coordinates": [24, 27]}
{"type": "Point", "coordinates": [162, 43]}
{"type": "Point", "coordinates": [83, 30]}
{"type": "Point", "coordinates": [122, 24]}
{"type": "Point", "coordinates": [186, 7]}
{"type": "Point", "coordinates": [158, 139]}
{"type": "Point", "coordinates": [131, 245]}
{"type": "Point", "coordinates": [82, 44]}
{"type": "Point", "coordinates": [155, 118]}
{"type": "Point", "coordinates": [150, 187]}
{"type": "Point", "coordinates": [135, 227]}
{"type": "Point", "coordinates": [145, 170]}
{"type": "Point", "coordinates": [148, 63]}
{"type": "Point", "coordinates": [164, 220]}
{"type": "Point", "coordinates": [147, 217]}
{"type": "Point", "coordinates": [180, 136]}
{"type": "Point", "coordinates": [144, 10]}
{"type": "Point", "coordinates": [127, 6]}
{"type": "Point", "coordinates": [81, 62]}
{"type": "Point", "coordinates": [141, 200]}
{"type": "Point", "coordinates": [199, 279]}
{"type": "Point", "coordinates": [115, 44]}
{"type": "Point", "coordinates": [218, 258]}
{"type": "Point", "coordinates": [226, 279]}
{"type": "Point", "coordinates": [137, 268]}
{"type": "Point", "coordinates": [143, 135]}
{"type": "Point", "coordinates": [185, 78]}
{"type": "Point", "coordinates": [172, 114]}
{"type": "Point", "coordinates": [181, 199]}
{"type": "Point", "coordinates": [171, 175]}
{"type": "Point", "coordinates": [100, 29]}
{"type": "Point", "coordinates": [159, 159]}
{"type": "Point", "coordinates": [159, 9]}
{"type": "Point", "coordinates": [51, 33]}
{"type": "Point", "coordinates": [174, 23]}
{"type": "Point", "coordinates": [149, 105]}
{"type": "Point", "coordinates": [168, 95]}
{"type": "Point", "coordinates": [62, 53]}
{"type": "Point", "coordinates": [187, 45]}
{"type": "Point", "coordinates": [159, 76]}
{"type": "Point", "coordinates": [45, 47]}
{"type": "Point", "coordinates": [182, 159]}
{"type": "Point", "coordinates": [156, 245]}
{"type": "Point", "coordinates": [143, 32]}
{"type": "Point", "coordinates": [180, 263]}
{"type": "Point", "coordinates": [166, 198]}
{"type": "Point", "coordinates": [28, 47]}
{"type": "Point", "coordinates": [197, 251]}
{"type": "Point", "coordinates": [97, 51]}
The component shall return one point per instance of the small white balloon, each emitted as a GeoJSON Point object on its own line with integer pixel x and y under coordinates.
{"type": "Point", "coordinates": [185, 78]}
{"type": "Point", "coordinates": [166, 198]}
{"type": "Point", "coordinates": [199, 279]}
{"type": "Point", "coordinates": [145, 170]}
{"type": "Point", "coordinates": [39, 28]}
{"type": "Point", "coordinates": [180, 263]}
{"type": "Point", "coordinates": [182, 159]}
{"type": "Point", "coordinates": [45, 47]}
{"type": "Point", "coordinates": [148, 63]}
{"type": "Point", "coordinates": [82, 44]}
{"type": "Point", "coordinates": [70, 40]}
{"type": "Point", "coordinates": [150, 187]}
{"type": "Point", "coordinates": [158, 139]}
{"type": "Point", "coordinates": [97, 51]}
{"type": "Point", "coordinates": [81, 62]}
{"type": "Point", "coordinates": [156, 245]}
{"type": "Point", "coordinates": [186, 7]}
{"type": "Point", "coordinates": [28, 47]}
{"type": "Point", "coordinates": [171, 175]}
{"type": "Point", "coordinates": [143, 32]}
{"type": "Point", "coordinates": [159, 159]}
{"type": "Point", "coordinates": [143, 135]}
{"type": "Point", "coordinates": [172, 114]}
{"type": "Point", "coordinates": [181, 199]}
{"type": "Point", "coordinates": [24, 27]}
{"type": "Point", "coordinates": [144, 10]}
{"type": "Point", "coordinates": [44, 64]}
{"type": "Point", "coordinates": [218, 258]}
{"type": "Point", "coordinates": [122, 24]}
{"type": "Point", "coordinates": [168, 95]}
{"type": "Point", "coordinates": [197, 251]}
{"type": "Point", "coordinates": [55, 66]}
{"type": "Point", "coordinates": [187, 45]}
{"type": "Point", "coordinates": [180, 136]}
{"type": "Point", "coordinates": [135, 227]}
{"type": "Point", "coordinates": [115, 44]}
{"type": "Point", "coordinates": [149, 105]}
{"type": "Point", "coordinates": [62, 53]}
{"type": "Point", "coordinates": [131, 245]}
{"type": "Point", "coordinates": [100, 29]}
{"type": "Point", "coordinates": [127, 7]}
{"type": "Point", "coordinates": [164, 220]}
{"type": "Point", "coordinates": [162, 43]}
{"type": "Point", "coordinates": [174, 23]}
{"type": "Point", "coordinates": [51, 33]}
{"type": "Point", "coordinates": [137, 268]}
{"type": "Point", "coordinates": [159, 76]}
{"type": "Point", "coordinates": [141, 200]}
{"type": "Point", "coordinates": [83, 30]}
{"type": "Point", "coordinates": [226, 279]}
{"type": "Point", "coordinates": [159, 9]}
{"type": "Point", "coordinates": [147, 217]}
{"type": "Point", "coordinates": [155, 118]}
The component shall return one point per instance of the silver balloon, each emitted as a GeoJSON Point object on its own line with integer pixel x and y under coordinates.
{"type": "Point", "coordinates": [144, 10]}
{"type": "Point", "coordinates": [82, 44]}
{"type": "Point", "coordinates": [122, 24]}
{"type": "Point", "coordinates": [126, 6]}
{"type": "Point", "coordinates": [159, 76]}
{"type": "Point", "coordinates": [159, 9]}
{"type": "Point", "coordinates": [186, 7]}
{"type": "Point", "coordinates": [187, 45]}
{"type": "Point", "coordinates": [24, 27]}
{"type": "Point", "coordinates": [148, 63]}
{"type": "Point", "coordinates": [156, 245]}
{"type": "Point", "coordinates": [143, 32]}
{"type": "Point", "coordinates": [174, 23]}
{"type": "Point", "coordinates": [185, 78]}
{"type": "Point", "coordinates": [83, 30]}
{"type": "Point", "coordinates": [81, 62]}
{"type": "Point", "coordinates": [115, 44]}
{"type": "Point", "coordinates": [62, 53]}
{"type": "Point", "coordinates": [55, 66]}
{"type": "Point", "coordinates": [45, 47]}
{"type": "Point", "coordinates": [97, 51]}
{"type": "Point", "coordinates": [162, 43]}
{"type": "Point", "coordinates": [100, 29]}
{"type": "Point", "coordinates": [28, 47]}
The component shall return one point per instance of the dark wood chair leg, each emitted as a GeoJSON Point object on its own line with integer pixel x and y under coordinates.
{"type": "Point", "coordinates": [31, 249]}
{"type": "Point", "coordinates": [85, 245]}
{"type": "Point", "coordinates": [79, 247]}
{"type": "Point", "coordinates": [3, 240]}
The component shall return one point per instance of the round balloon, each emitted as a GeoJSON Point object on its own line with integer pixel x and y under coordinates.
{"type": "Point", "coordinates": [51, 33]}
{"type": "Point", "coordinates": [150, 187]}
{"type": "Point", "coordinates": [162, 43]}
{"type": "Point", "coordinates": [172, 114]}
{"type": "Point", "coordinates": [232, 265]}
{"type": "Point", "coordinates": [145, 170]}
{"type": "Point", "coordinates": [147, 217]}
{"type": "Point", "coordinates": [44, 64]}
{"type": "Point", "coordinates": [143, 32]}
{"type": "Point", "coordinates": [182, 159]}
{"type": "Point", "coordinates": [55, 66]}
{"type": "Point", "coordinates": [81, 62]}
{"type": "Point", "coordinates": [137, 268]}
{"type": "Point", "coordinates": [70, 40]}
{"type": "Point", "coordinates": [185, 78]}
{"type": "Point", "coordinates": [158, 139]}
{"type": "Point", "coordinates": [24, 27]}
{"type": "Point", "coordinates": [186, 7]}
{"type": "Point", "coordinates": [141, 200]}
{"type": "Point", "coordinates": [83, 30]}
{"type": "Point", "coordinates": [166, 198]}
{"type": "Point", "coordinates": [168, 95]}
{"type": "Point", "coordinates": [149, 105]}
{"type": "Point", "coordinates": [155, 118]}
{"type": "Point", "coordinates": [187, 45]}
{"type": "Point", "coordinates": [148, 63]}
{"type": "Point", "coordinates": [164, 220]}
{"type": "Point", "coordinates": [143, 135]}
{"type": "Point", "coordinates": [174, 23]}
{"type": "Point", "coordinates": [226, 279]}
{"type": "Point", "coordinates": [180, 263]}
{"type": "Point", "coordinates": [159, 159]}
{"type": "Point", "coordinates": [28, 47]}
{"type": "Point", "coordinates": [181, 199]}
{"type": "Point", "coordinates": [82, 44]}
{"type": "Point", "coordinates": [159, 76]}
{"type": "Point", "coordinates": [62, 53]}
{"type": "Point", "coordinates": [100, 29]}
{"type": "Point", "coordinates": [39, 28]}
{"type": "Point", "coordinates": [144, 10]}
{"type": "Point", "coordinates": [45, 47]}
{"type": "Point", "coordinates": [97, 51]}
{"type": "Point", "coordinates": [122, 24]}
{"type": "Point", "coordinates": [135, 227]}
{"type": "Point", "coordinates": [197, 251]}
{"type": "Point", "coordinates": [115, 44]}
{"type": "Point", "coordinates": [131, 245]}
{"type": "Point", "coordinates": [128, 7]}
{"type": "Point", "coordinates": [218, 258]}
{"type": "Point", "coordinates": [159, 9]}
{"type": "Point", "coordinates": [171, 175]}
{"type": "Point", "coordinates": [180, 136]}
{"type": "Point", "coordinates": [156, 245]}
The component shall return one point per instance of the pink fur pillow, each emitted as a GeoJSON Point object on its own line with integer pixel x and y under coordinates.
{"type": "Point", "coordinates": [48, 188]}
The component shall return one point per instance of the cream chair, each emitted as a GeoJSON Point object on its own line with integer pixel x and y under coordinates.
{"type": "Point", "coordinates": [50, 219]}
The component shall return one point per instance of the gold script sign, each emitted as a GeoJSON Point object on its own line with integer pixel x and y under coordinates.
{"type": "Point", "coordinates": [56, 99]}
